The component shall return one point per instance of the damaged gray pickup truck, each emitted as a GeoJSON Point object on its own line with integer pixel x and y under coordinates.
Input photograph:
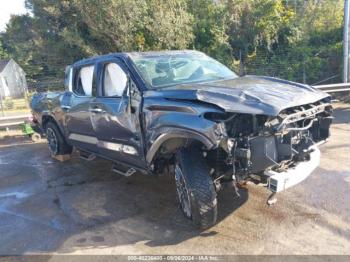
{"type": "Point", "coordinates": [185, 114]}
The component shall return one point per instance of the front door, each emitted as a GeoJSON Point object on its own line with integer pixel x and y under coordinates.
{"type": "Point", "coordinates": [116, 126]}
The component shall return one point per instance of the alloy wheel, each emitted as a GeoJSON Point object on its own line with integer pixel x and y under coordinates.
{"type": "Point", "coordinates": [52, 140]}
{"type": "Point", "coordinates": [182, 192]}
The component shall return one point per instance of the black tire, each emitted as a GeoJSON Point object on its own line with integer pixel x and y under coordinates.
{"type": "Point", "coordinates": [57, 143]}
{"type": "Point", "coordinates": [197, 188]}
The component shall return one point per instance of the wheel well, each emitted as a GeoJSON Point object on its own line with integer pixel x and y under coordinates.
{"type": "Point", "coordinates": [169, 143]}
{"type": "Point", "coordinates": [46, 120]}
{"type": "Point", "coordinates": [172, 145]}
{"type": "Point", "coordinates": [49, 119]}
{"type": "Point", "coordinates": [164, 156]}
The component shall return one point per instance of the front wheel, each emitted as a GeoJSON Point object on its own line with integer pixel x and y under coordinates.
{"type": "Point", "coordinates": [195, 188]}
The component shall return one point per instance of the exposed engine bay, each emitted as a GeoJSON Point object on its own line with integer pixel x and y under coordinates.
{"type": "Point", "coordinates": [255, 143]}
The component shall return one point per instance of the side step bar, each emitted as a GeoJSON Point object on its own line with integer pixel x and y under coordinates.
{"type": "Point", "coordinates": [87, 156]}
{"type": "Point", "coordinates": [128, 173]}
{"type": "Point", "coordinates": [116, 167]}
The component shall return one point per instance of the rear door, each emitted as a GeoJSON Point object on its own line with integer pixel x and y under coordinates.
{"type": "Point", "coordinates": [76, 104]}
{"type": "Point", "coordinates": [117, 128]}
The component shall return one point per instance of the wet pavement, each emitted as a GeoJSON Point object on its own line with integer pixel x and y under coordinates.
{"type": "Point", "coordinates": [82, 207]}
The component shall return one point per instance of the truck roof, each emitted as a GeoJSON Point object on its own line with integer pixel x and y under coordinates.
{"type": "Point", "coordinates": [134, 55]}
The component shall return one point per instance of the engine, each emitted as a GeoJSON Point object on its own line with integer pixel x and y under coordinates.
{"type": "Point", "coordinates": [256, 143]}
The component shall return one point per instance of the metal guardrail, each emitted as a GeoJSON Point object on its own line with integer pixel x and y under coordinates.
{"type": "Point", "coordinates": [13, 120]}
{"type": "Point", "coordinates": [334, 88]}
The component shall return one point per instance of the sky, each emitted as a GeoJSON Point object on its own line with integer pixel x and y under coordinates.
{"type": "Point", "coordinates": [8, 8]}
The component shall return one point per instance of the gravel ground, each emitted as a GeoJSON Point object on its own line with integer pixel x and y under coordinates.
{"type": "Point", "coordinates": [79, 207]}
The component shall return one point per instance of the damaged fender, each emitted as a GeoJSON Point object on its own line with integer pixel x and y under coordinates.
{"type": "Point", "coordinates": [168, 120]}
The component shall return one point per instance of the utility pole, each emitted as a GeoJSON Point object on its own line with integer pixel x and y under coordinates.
{"type": "Point", "coordinates": [346, 42]}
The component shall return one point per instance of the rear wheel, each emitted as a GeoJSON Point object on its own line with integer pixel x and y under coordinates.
{"type": "Point", "coordinates": [57, 143]}
{"type": "Point", "coordinates": [195, 188]}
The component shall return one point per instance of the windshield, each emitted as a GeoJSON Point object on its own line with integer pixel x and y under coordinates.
{"type": "Point", "coordinates": [172, 68]}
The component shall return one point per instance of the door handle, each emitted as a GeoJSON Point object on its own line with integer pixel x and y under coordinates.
{"type": "Point", "coordinates": [96, 110]}
{"type": "Point", "coordinates": [65, 107]}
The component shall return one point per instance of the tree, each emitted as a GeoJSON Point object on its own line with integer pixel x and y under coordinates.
{"type": "Point", "coordinates": [210, 29]}
{"type": "Point", "coordinates": [295, 39]}
{"type": "Point", "coordinates": [20, 40]}
{"type": "Point", "coordinates": [168, 25]}
{"type": "Point", "coordinates": [3, 52]}
{"type": "Point", "coordinates": [256, 24]}
{"type": "Point", "coordinates": [60, 32]}
{"type": "Point", "coordinates": [128, 25]}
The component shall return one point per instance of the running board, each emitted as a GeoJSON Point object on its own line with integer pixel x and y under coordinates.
{"type": "Point", "coordinates": [128, 173]}
{"type": "Point", "coordinates": [87, 156]}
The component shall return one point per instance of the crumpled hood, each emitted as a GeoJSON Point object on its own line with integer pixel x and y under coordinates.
{"type": "Point", "coordinates": [248, 94]}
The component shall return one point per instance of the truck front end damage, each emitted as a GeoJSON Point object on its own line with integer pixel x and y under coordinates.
{"type": "Point", "coordinates": [280, 151]}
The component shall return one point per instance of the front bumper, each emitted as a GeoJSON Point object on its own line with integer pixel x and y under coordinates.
{"type": "Point", "coordinates": [279, 181]}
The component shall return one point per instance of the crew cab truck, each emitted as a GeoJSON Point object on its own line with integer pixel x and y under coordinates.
{"type": "Point", "coordinates": [185, 114]}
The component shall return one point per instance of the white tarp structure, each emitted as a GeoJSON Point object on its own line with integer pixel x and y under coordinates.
{"type": "Point", "coordinates": [13, 82]}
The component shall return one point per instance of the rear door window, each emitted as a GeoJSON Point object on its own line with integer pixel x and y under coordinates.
{"type": "Point", "coordinates": [84, 81]}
